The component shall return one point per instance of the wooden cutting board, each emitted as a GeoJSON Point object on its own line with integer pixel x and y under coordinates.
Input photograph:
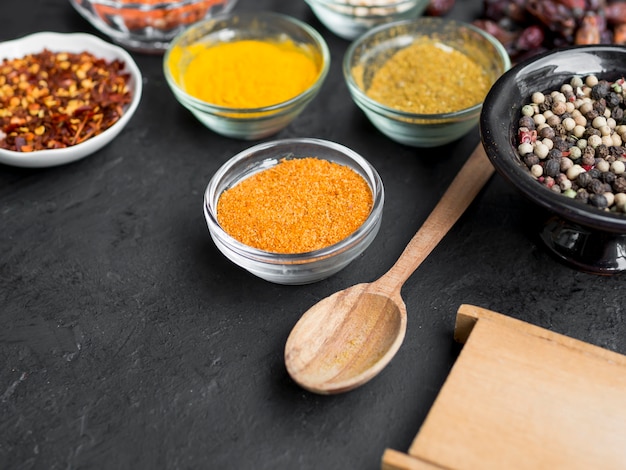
{"type": "Point", "coordinates": [522, 397]}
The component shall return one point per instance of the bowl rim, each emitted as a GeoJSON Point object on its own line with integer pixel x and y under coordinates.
{"type": "Point", "coordinates": [512, 168]}
{"type": "Point", "coordinates": [252, 112]}
{"type": "Point", "coordinates": [374, 4]}
{"type": "Point", "coordinates": [361, 96]}
{"type": "Point", "coordinates": [371, 176]}
{"type": "Point", "coordinates": [71, 42]}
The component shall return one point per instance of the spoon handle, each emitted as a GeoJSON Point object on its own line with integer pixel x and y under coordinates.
{"type": "Point", "coordinates": [459, 195]}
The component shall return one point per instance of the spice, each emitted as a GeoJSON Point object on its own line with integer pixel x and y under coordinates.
{"type": "Point", "coordinates": [428, 77]}
{"type": "Point", "coordinates": [526, 28]}
{"type": "Point", "coordinates": [297, 206]}
{"type": "Point", "coordinates": [160, 14]}
{"type": "Point", "coordinates": [572, 141]}
{"type": "Point", "coordinates": [370, 8]}
{"type": "Point", "coordinates": [249, 73]}
{"type": "Point", "coordinates": [54, 100]}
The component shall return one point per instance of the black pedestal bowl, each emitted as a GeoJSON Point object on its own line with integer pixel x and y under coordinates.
{"type": "Point", "coordinates": [583, 236]}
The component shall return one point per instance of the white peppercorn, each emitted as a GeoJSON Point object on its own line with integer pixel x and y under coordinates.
{"type": "Point", "coordinates": [618, 167]}
{"type": "Point", "coordinates": [536, 170]}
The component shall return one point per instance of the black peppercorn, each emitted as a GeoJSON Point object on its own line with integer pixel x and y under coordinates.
{"type": "Point", "coordinates": [617, 114]}
{"type": "Point", "coordinates": [552, 167]}
{"type": "Point", "coordinates": [560, 143]}
{"type": "Point", "coordinates": [596, 186]}
{"type": "Point", "coordinates": [608, 177]}
{"type": "Point", "coordinates": [546, 133]}
{"type": "Point", "coordinates": [600, 107]}
{"type": "Point", "coordinates": [531, 159]}
{"type": "Point", "coordinates": [601, 151]}
{"type": "Point", "coordinates": [584, 179]}
{"type": "Point", "coordinates": [616, 151]}
{"type": "Point", "coordinates": [582, 195]}
{"type": "Point", "coordinates": [600, 90]}
{"type": "Point", "coordinates": [591, 115]}
{"type": "Point", "coordinates": [588, 156]}
{"type": "Point", "coordinates": [528, 122]}
{"type": "Point", "coordinates": [555, 154]}
{"type": "Point", "coordinates": [598, 200]}
{"type": "Point", "coordinates": [619, 185]}
{"type": "Point", "coordinates": [612, 99]}
{"type": "Point", "coordinates": [594, 173]}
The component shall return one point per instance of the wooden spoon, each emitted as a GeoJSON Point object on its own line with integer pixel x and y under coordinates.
{"type": "Point", "coordinates": [346, 339]}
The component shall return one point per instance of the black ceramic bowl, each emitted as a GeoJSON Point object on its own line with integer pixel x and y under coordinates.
{"type": "Point", "coordinates": [585, 237]}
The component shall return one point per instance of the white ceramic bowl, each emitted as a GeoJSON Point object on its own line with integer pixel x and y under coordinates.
{"type": "Point", "coordinates": [74, 43]}
{"type": "Point", "coordinates": [299, 268]}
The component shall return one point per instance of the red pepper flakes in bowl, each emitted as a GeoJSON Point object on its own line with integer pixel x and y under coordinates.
{"type": "Point", "coordinates": [52, 100]}
{"type": "Point", "coordinates": [63, 96]}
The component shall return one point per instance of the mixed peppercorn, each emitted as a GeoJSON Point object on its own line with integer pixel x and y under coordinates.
{"type": "Point", "coordinates": [53, 100]}
{"type": "Point", "coordinates": [572, 141]}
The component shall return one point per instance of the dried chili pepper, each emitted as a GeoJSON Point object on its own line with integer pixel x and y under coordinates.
{"type": "Point", "coordinates": [562, 22]}
{"type": "Point", "coordinates": [439, 7]}
{"type": "Point", "coordinates": [590, 30]}
{"type": "Point", "coordinates": [55, 100]}
{"type": "Point", "coordinates": [615, 13]}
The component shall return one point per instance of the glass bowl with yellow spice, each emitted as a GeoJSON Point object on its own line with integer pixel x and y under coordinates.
{"type": "Point", "coordinates": [247, 75]}
{"type": "Point", "coordinates": [294, 211]}
{"type": "Point", "coordinates": [422, 82]}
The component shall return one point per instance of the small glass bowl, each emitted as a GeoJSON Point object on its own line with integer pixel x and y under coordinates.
{"type": "Point", "coordinates": [147, 25]}
{"type": "Point", "coordinates": [374, 48]}
{"type": "Point", "coordinates": [300, 268]}
{"type": "Point", "coordinates": [351, 18]}
{"type": "Point", "coordinates": [245, 123]}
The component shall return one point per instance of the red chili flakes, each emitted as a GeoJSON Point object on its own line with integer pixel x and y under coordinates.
{"type": "Point", "coordinates": [55, 100]}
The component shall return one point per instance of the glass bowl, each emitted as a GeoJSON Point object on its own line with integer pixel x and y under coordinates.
{"type": "Point", "coordinates": [71, 43]}
{"type": "Point", "coordinates": [245, 123]}
{"type": "Point", "coordinates": [580, 235]}
{"type": "Point", "coordinates": [300, 268]}
{"type": "Point", "coordinates": [368, 53]}
{"type": "Point", "coordinates": [351, 18]}
{"type": "Point", "coordinates": [147, 25]}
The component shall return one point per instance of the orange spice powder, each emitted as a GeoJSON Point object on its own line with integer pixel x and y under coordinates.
{"type": "Point", "coordinates": [299, 205]}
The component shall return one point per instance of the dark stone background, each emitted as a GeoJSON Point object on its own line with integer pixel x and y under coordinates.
{"type": "Point", "coordinates": [128, 341]}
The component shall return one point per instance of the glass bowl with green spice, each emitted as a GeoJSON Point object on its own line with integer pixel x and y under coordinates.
{"type": "Point", "coordinates": [294, 211]}
{"type": "Point", "coordinates": [422, 82]}
{"type": "Point", "coordinates": [247, 75]}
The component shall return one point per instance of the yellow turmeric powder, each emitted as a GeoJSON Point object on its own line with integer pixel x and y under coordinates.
{"type": "Point", "coordinates": [297, 206]}
{"type": "Point", "coordinates": [250, 73]}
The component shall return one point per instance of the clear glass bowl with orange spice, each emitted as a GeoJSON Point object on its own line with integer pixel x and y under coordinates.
{"type": "Point", "coordinates": [147, 25]}
{"type": "Point", "coordinates": [422, 82]}
{"type": "Point", "coordinates": [292, 248]}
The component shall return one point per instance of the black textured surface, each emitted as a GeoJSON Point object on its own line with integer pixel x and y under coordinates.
{"type": "Point", "coordinates": [128, 341]}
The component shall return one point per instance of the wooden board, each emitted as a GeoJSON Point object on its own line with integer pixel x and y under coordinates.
{"type": "Point", "coordinates": [522, 397]}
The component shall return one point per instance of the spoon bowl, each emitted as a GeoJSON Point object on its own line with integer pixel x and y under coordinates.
{"type": "Point", "coordinates": [346, 339]}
